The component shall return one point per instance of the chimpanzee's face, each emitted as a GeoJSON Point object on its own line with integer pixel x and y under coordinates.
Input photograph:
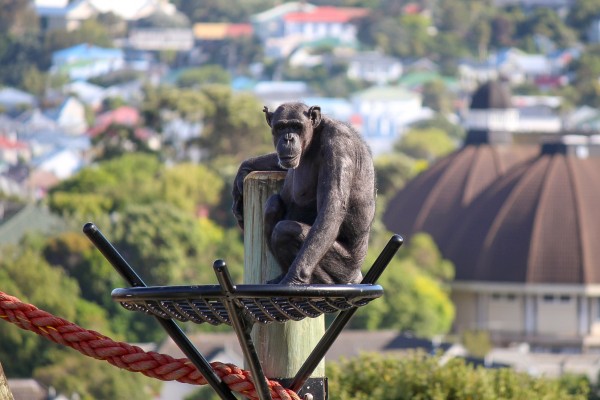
{"type": "Point", "coordinates": [291, 137]}
{"type": "Point", "coordinates": [292, 126]}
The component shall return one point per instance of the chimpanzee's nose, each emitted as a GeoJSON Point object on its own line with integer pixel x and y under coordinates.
{"type": "Point", "coordinates": [288, 137]}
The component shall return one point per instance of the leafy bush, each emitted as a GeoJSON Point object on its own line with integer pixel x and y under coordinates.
{"type": "Point", "coordinates": [418, 376]}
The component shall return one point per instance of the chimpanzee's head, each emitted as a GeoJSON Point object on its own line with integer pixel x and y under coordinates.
{"type": "Point", "coordinates": [292, 126]}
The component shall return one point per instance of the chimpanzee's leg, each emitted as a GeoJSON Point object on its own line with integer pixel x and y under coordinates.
{"type": "Point", "coordinates": [336, 266]}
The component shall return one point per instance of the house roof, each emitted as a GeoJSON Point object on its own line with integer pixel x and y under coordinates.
{"type": "Point", "coordinates": [220, 31]}
{"type": "Point", "coordinates": [430, 202]}
{"type": "Point", "coordinates": [11, 96]}
{"type": "Point", "coordinates": [540, 223]}
{"type": "Point", "coordinates": [124, 115]}
{"type": "Point", "coordinates": [386, 93]}
{"type": "Point", "coordinates": [86, 51]}
{"type": "Point", "coordinates": [8, 144]}
{"type": "Point", "coordinates": [281, 10]}
{"type": "Point", "coordinates": [327, 14]}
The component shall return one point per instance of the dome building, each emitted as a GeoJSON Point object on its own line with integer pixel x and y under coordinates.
{"type": "Point", "coordinates": [527, 252]}
{"type": "Point", "coordinates": [430, 202]}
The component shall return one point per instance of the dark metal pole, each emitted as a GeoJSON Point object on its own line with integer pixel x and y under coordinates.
{"type": "Point", "coordinates": [172, 329]}
{"type": "Point", "coordinates": [243, 333]}
{"type": "Point", "coordinates": [343, 317]}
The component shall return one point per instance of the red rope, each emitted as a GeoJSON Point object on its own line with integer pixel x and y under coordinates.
{"type": "Point", "coordinates": [126, 356]}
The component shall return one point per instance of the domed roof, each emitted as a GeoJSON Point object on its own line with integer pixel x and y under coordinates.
{"type": "Point", "coordinates": [431, 201]}
{"type": "Point", "coordinates": [492, 94]}
{"type": "Point", "coordinates": [540, 223]}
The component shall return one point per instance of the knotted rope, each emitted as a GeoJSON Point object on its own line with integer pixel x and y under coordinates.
{"type": "Point", "coordinates": [126, 356]}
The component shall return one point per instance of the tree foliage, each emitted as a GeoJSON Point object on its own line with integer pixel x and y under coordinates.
{"type": "Point", "coordinates": [73, 373]}
{"type": "Point", "coordinates": [420, 376]}
{"type": "Point", "coordinates": [416, 295]}
{"type": "Point", "coordinates": [25, 274]}
{"type": "Point", "coordinates": [428, 144]}
{"type": "Point", "coordinates": [205, 75]}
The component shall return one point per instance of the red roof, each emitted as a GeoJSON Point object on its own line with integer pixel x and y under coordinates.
{"type": "Point", "coordinates": [239, 30]}
{"type": "Point", "coordinates": [8, 144]}
{"type": "Point", "coordinates": [327, 14]}
{"type": "Point", "coordinates": [124, 115]}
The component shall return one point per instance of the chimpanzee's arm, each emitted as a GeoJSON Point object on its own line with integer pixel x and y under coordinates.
{"type": "Point", "coordinates": [336, 173]}
{"type": "Point", "coordinates": [267, 162]}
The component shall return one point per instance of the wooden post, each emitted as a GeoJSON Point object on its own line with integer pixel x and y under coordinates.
{"type": "Point", "coordinates": [281, 347]}
{"type": "Point", "coordinates": [5, 393]}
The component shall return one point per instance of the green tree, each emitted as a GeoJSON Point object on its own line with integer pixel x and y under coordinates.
{"type": "Point", "coordinates": [189, 186]}
{"type": "Point", "coordinates": [205, 75]}
{"type": "Point", "coordinates": [581, 14]}
{"type": "Point", "coordinates": [91, 31]}
{"type": "Point", "coordinates": [94, 379]}
{"type": "Point", "coordinates": [420, 376]}
{"type": "Point", "coordinates": [416, 292]}
{"type": "Point", "coordinates": [392, 171]}
{"type": "Point", "coordinates": [117, 140]}
{"type": "Point", "coordinates": [546, 22]}
{"type": "Point", "coordinates": [437, 97]}
{"type": "Point", "coordinates": [17, 17]}
{"type": "Point", "coordinates": [586, 70]}
{"type": "Point", "coordinates": [427, 144]}
{"type": "Point", "coordinates": [234, 125]}
{"type": "Point", "coordinates": [25, 274]}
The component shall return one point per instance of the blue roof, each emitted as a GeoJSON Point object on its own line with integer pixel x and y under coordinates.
{"type": "Point", "coordinates": [87, 51]}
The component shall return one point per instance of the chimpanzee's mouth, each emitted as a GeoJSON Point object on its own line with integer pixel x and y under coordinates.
{"type": "Point", "coordinates": [289, 162]}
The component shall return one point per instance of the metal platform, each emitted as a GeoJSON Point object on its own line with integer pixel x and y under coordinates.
{"type": "Point", "coordinates": [242, 306]}
{"type": "Point", "coordinates": [263, 304]}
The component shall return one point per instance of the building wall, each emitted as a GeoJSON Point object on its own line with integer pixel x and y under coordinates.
{"type": "Point", "coordinates": [466, 311]}
{"type": "Point", "coordinates": [557, 314]}
{"type": "Point", "coordinates": [506, 312]}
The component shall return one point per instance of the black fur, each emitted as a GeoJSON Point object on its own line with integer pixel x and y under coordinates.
{"type": "Point", "coordinates": [318, 226]}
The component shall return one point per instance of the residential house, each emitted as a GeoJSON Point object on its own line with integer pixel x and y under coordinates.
{"type": "Point", "coordinates": [283, 29]}
{"type": "Point", "coordinates": [13, 151]}
{"type": "Point", "coordinates": [374, 67]}
{"type": "Point", "coordinates": [55, 15]}
{"type": "Point", "coordinates": [270, 23]}
{"type": "Point", "coordinates": [210, 37]}
{"type": "Point", "coordinates": [90, 94]}
{"type": "Point", "coordinates": [538, 114]}
{"type": "Point", "coordinates": [131, 92]}
{"type": "Point", "coordinates": [328, 51]}
{"type": "Point", "coordinates": [86, 61]}
{"type": "Point", "coordinates": [34, 121]}
{"type": "Point", "coordinates": [69, 15]}
{"type": "Point", "coordinates": [273, 93]}
{"type": "Point", "coordinates": [382, 113]}
{"type": "Point", "coordinates": [520, 67]}
{"type": "Point", "coordinates": [583, 119]}
{"type": "Point", "coordinates": [220, 31]}
{"type": "Point", "coordinates": [70, 116]}
{"type": "Point", "coordinates": [15, 100]}
{"type": "Point", "coordinates": [124, 115]}
{"type": "Point", "coordinates": [472, 73]}
{"type": "Point", "coordinates": [162, 30]}
{"type": "Point", "coordinates": [62, 163]}
{"type": "Point", "coordinates": [324, 22]}
{"type": "Point", "coordinates": [336, 108]}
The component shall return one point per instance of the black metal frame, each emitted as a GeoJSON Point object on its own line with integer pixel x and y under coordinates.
{"type": "Point", "coordinates": [241, 306]}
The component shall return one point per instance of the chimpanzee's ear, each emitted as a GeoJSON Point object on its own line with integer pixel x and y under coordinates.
{"type": "Point", "coordinates": [314, 113]}
{"type": "Point", "coordinates": [268, 115]}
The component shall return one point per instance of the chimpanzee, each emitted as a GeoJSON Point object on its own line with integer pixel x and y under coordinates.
{"type": "Point", "coordinates": [318, 226]}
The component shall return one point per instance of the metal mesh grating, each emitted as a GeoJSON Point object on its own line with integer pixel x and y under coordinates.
{"type": "Point", "coordinates": [262, 304]}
